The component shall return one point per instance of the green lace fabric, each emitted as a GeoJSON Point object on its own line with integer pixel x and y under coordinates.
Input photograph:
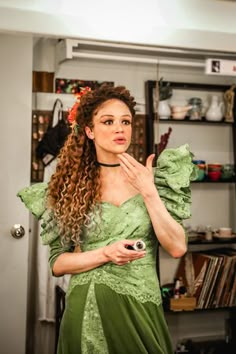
{"type": "Point", "coordinates": [129, 221]}
{"type": "Point", "coordinates": [109, 223]}
{"type": "Point", "coordinates": [172, 176]}
{"type": "Point", "coordinates": [92, 336]}
{"type": "Point", "coordinates": [34, 198]}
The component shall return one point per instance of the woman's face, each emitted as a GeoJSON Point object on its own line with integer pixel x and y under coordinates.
{"type": "Point", "coordinates": [112, 129]}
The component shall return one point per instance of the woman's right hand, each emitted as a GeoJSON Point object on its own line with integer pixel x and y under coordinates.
{"type": "Point", "coordinates": [118, 253]}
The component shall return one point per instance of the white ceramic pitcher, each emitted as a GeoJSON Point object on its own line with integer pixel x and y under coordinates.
{"type": "Point", "coordinates": [164, 110]}
{"type": "Point", "coordinates": [215, 110]}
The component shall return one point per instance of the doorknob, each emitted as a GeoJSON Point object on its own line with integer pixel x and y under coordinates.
{"type": "Point", "coordinates": [17, 231]}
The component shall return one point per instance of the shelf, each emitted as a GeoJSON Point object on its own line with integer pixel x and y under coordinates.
{"type": "Point", "coordinates": [149, 97]}
{"type": "Point", "coordinates": [213, 242]}
{"type": "Point", "coordinates": [194, 86]}
{"type": "Point", "coordinates": [45, 101]}
{"type": "Point", "coordinates": [232, 308]}
{"type": "Point", "coordinates": [200, 122]}
{"type": "Point", "coordinates": [213, 268]}
{"type": "Point", "coordinates": [214, 182]}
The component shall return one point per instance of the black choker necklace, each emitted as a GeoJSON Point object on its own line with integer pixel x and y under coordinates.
{"type": "Point", "coordinates": [108, 165]}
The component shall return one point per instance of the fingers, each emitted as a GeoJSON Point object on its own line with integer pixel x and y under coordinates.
{"type": "Point", "coordinates": [127, 165]}
{"type": "Point", "coordinates": [127, 169]}
{"type": "Point", "coordinates": [127, 254]}
{"type": "Point", "coordinates": [149, 162]}
{"type": "Point", "coordinates": [127, 260]}
{"type": "Point", "coordinates": [128, 161]}
{"type": "Point", "coordinates": [126, 158]}
{"type": "Point", "coordinates": [120, 255]}
{"type": "Point", "coordinates": [131, 168]}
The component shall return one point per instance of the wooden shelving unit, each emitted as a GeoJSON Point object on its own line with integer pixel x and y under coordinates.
{"type": "Point", "coordinates": [202, 244]}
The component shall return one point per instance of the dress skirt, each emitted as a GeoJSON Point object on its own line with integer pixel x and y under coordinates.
{"type": "Point", "coordinates": [97, 320]}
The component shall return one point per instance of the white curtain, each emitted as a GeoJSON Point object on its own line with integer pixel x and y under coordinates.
{"type": "Point", "coordinates": [46, 282]}
{"type": "Point", "coordinates": [43, 285]}
{"type": "Point", "coordinates": [44, 326]}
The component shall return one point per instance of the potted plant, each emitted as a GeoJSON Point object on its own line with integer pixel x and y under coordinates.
{"type": "Point", "coordinates": [164, 93]}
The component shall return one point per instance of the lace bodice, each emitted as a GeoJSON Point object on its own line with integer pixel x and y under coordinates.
{"type": "Point", "coordinates": [129, 221]}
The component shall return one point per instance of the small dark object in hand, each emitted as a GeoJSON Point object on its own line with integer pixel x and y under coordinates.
{"type": "Point", "coordinates": [137, 246]}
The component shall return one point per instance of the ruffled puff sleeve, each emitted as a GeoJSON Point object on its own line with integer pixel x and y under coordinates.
{"type": "Point", "coordinates": [172, 176]}
{"type": "Point", "coordinates": [34, 198]}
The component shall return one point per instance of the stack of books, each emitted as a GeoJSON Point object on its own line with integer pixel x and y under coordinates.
{"type": "Point", "coordinates": [210, 276]}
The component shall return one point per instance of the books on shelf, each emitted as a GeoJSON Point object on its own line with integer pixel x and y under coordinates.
{"type": "Point", "coordinates": [210, 276]}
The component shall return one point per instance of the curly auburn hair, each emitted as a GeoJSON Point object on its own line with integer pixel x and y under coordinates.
{"type": "Point", "coordinates": [74, 188]}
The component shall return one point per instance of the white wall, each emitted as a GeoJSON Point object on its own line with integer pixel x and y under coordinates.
{"type": "Point", "coordinates": [202, 24]}
{"type": "Point", "coordinates": [15, 151]}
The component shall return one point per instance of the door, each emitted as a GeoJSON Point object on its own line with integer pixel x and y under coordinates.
{"type": "Point", "coordinates": [15, 146]}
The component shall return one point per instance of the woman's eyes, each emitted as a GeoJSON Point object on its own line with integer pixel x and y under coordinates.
{"type": "Point", "coordinates": [126, 122]}
{"type": "Point", "coordinates": [110, 122]}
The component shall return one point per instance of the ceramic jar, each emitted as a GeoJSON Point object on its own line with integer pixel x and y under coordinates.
{"type": "Point", "coordinates": [195, 113]}
{"type": "Point", "coordinates": [227, 172]}
{"type": "Point", "coordinates": [201, 164]}
{"type": "Point", "coordinates": [214, 171]}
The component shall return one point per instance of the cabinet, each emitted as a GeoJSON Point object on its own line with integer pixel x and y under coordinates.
{"type": "Point", "coordinates": [215, 187]}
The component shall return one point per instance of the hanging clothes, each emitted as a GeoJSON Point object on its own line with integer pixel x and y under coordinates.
{"type": "Point", "coordinates": [47, 283]}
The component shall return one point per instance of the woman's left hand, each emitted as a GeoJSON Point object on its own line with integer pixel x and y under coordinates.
{"type": "Point", "coordinates": [139, 176]}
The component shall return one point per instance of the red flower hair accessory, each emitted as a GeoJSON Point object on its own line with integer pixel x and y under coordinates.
{"type": "Point", "coordinates": [73, 110]}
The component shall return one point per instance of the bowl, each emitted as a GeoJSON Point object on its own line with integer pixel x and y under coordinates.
{"type": "Point", "coordinates": [214, 175]}
{"type": "Point", "coordinates": [225, 231]}
{"type": "Point", "coordinates": [180, 109]}
{"type": "Point", "coordinates": [200, 174]}
{"type": "Point", "coordinates": [214, 165]}
{"type": "Point", "coordinates": [201, 164]}
{"type": "Point", "coordinates": [179, 115]}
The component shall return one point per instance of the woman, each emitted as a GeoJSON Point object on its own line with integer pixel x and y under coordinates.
{"type": "Point", "coordinates": [99, 202]}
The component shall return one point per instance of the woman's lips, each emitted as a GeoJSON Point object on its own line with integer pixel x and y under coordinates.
{"type": "Point", "coordinates": [120, 141]}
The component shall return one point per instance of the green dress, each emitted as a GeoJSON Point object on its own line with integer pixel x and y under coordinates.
{"type": "Point", "coordinates": [118, 309]}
